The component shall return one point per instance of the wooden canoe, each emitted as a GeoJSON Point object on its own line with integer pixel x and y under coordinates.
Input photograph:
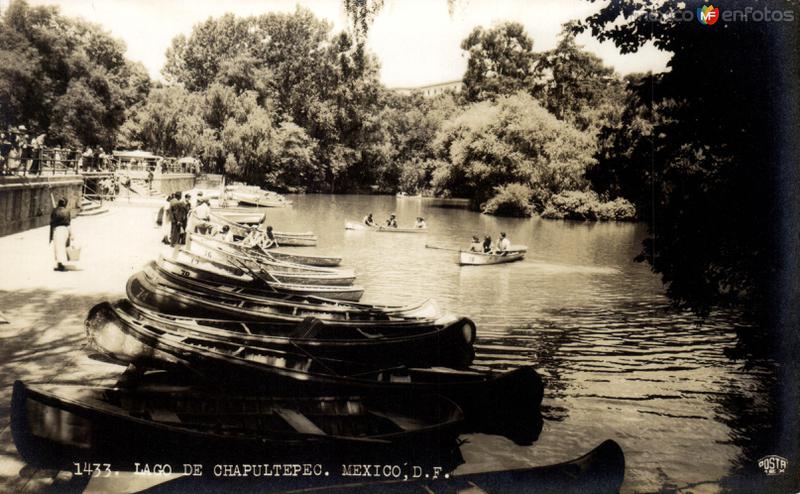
{"type": "Point", "coordinates": [56, 425]}
{"type": "Point", "coordinates": [279, 256]}
{"type": "Point", "coordinates": [354, 225]}
{"type": "Point", "coordinates": [427, 309]}
{"type": "Point", "coordinates": [290, 239]}
{"type": "Point", "coordinates": [193, 266]}
{"type": "Point", "coordinates": [150, 289]}
{"type": "Point", "coordinates": [239, 215]}
{"type": "Point", "coordinates": [479, 259]}
{"type": "Point", "coordinates": [514, 396]}
{"type": "Point", "coordinates": [282, 272]}
{"type": "Point", "coordinates": [446, 343]}
{"type": "Point", "coordinates": [262, 258]}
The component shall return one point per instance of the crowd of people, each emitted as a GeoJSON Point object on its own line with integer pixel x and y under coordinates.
{"type": "Point", "coordinates": [181, 215]}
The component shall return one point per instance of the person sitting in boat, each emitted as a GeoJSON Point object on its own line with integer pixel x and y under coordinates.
{"type": "Point", "coordinates": [476, 245]}
{"type": "Point", "coordinates": [268, 241]}
{"type": "Point", "coordinates": [420, 223]}
{"type": "Point", "coordinates": [369, 221]}
{"type": "Point", "coordinates": [504, 245]}
{"type": "Point", "coordinates": [225, 234]}
{"type": "Point", "coordinates": [487, 244]}
{"type": "Point", "coordinates": [254, 237]}
{"type": "Point", "coordinates": [392, 221]}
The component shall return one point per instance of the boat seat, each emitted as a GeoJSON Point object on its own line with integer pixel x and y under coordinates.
{"type": "Point", "coordinates": [299, 422]}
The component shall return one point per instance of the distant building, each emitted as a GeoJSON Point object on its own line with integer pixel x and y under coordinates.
{"type": "Point", "coordinates": [432, 90]}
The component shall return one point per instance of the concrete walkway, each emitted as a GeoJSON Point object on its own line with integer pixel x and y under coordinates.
{"type": "Point", "coordinates": [44, 338]}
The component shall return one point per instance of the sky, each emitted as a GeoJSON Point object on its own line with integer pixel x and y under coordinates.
{"type": "Point", "coordinates": [416, 41]}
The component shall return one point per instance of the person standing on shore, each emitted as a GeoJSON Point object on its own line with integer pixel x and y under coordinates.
{"type": "Point", "coordinates": [60, 233]}
{"type": "Point", "coordinates": [177, 211]}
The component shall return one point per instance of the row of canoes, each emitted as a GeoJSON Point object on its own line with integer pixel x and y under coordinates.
{"type": "Point", "coordinates": [256, 358]}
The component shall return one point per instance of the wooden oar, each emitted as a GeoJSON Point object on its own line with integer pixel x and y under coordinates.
{"type": "Point", "coordinates": [442, 248]}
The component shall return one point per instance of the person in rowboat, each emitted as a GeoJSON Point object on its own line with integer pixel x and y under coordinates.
{"type": "Point", "coordinates": [269, 240]}
{"type": "Point", "coordinates": [487, 244]}
{"type": "Point", "coordinates": [476, 245]}
{"type": "Point", "coordinates": [369, 221]}
{"type": "Point", "coordinates": [392, 221]}
{"type": "Point", "coordinates": [420, 223]}
{"type": "Point", "coordinates": [504, 245]}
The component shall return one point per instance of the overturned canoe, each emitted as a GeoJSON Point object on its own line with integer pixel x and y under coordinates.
{"type": "Point", "coordinates": [515, 396]}
{"type": "Point", "coordinates": [354, 225]}
{"type": "Point", "coordinates": [56, 425]}
{"type": "Point", "coordinates": [447, 342]}
{"type": "Point", "coordinates": [479, 258]}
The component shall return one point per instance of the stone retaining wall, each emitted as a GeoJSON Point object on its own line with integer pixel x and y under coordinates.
{"type": "Point", "coordinates": [26, 202]}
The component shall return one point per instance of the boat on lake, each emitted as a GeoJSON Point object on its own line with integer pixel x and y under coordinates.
{"type": "Point", "coordinates": [354, 225]}
{"type": "Point", "coordinates": [276, 255]}
{"type": "Point", "coordinates": [58, 425]}
{"type": "Point", "coordinates": [249, 195]}
{"type": "Point", "coordinates": [466, 258]}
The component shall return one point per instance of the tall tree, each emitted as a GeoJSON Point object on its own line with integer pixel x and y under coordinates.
{"type": "Point", "coordinates": [500, 61]}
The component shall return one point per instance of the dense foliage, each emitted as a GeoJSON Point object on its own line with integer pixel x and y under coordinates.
{"type": "Point", "coordinates": [64, 77]}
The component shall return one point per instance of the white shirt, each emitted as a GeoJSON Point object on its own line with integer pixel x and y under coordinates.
{"type": "Point", "coordinates": [504, 244]}
{"type": "Point", "coordinates": [202, 211]}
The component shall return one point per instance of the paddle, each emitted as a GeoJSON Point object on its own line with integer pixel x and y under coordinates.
{"type": "Point", "coordinates": [442, 248]}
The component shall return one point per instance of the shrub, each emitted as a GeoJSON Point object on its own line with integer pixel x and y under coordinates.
{"type": "Point", "coordinates": [586, 205]}
{"type": "Point", "coordinates": [510, 200]}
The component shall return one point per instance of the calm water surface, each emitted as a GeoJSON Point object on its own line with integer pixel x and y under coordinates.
{"type": "Point", "coordinates": [593, 323]}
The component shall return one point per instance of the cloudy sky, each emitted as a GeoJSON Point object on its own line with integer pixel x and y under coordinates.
{"type": "Point", "coordinates": [417, 41]}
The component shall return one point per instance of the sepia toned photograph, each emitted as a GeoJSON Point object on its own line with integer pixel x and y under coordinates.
{"type": "Point", "coordinates": [400, 246]}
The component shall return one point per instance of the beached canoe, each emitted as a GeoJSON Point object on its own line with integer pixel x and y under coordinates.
{"type": "Point", "coordinates": [354, 225]}
{"type": "Point", "coordinates": [263, 258]}
{"type": "Point", "coordinates": [289, 239]}
{"type": "Point", "coordinates": [199, 268]}
{"type": "Point", "coordinates": [446, 342]}
{"type": "Point", "coordinates": [157, 289]}
{"type": "Point", "coordinates": [479, 258]}
{"type": "Point", "coordinates": [239, 215]}
{"type": "Point", "coordinates": [277, 255]}
{"type": "Point", "coordinates": [58, 425]}
{"type": "Point", "coordinates": [514, 396]}
{"type": "Point", "coordinates": [277, 271]}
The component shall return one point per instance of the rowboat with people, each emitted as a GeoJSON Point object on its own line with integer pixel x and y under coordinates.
{"type": "Point", "coordinates": [62, 425]}
{"type": "Point", "coordinates": [288, 239]}
{"type": "Point", "coordinates": [354, 225]}
{"type": "Point", "coordinates": [467, 258]}
{"type": "Point", "coordinates": [277, 255]}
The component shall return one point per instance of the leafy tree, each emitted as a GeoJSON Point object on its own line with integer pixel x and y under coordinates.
{"type": "Point", "coordinates": [716, 147]}
{"type": "Point", "coordinates": [575, 86]}
{"type": "Point", "coordinates": [513, 140]}
{"type": "Point", "coordinates": [500, 61]}
{"type": "Point", "coordinates": [65, 77]}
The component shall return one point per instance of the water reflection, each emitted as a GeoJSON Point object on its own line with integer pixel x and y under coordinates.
{"type": "Point", "coordinates": [617, 363]}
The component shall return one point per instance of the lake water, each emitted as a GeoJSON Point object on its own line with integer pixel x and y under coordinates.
{"type": "Point", "coordinates": [617, 364]}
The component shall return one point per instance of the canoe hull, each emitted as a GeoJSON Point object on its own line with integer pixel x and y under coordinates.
{"type": "Point", "coordinates": [54, 426]}
{"type": "Point", "coordinates": [354, 225]}
{"type": "Point", "coordinates": [480, 259]}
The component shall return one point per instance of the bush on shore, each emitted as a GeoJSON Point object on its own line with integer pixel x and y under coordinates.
{"type": "Point", "coordinates": [586, 205]}
{"type": "Point", "coordinates": [510, 200]}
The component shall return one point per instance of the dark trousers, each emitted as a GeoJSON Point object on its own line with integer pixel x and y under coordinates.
{"type": "Point", "coordinates": [175, 233]}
